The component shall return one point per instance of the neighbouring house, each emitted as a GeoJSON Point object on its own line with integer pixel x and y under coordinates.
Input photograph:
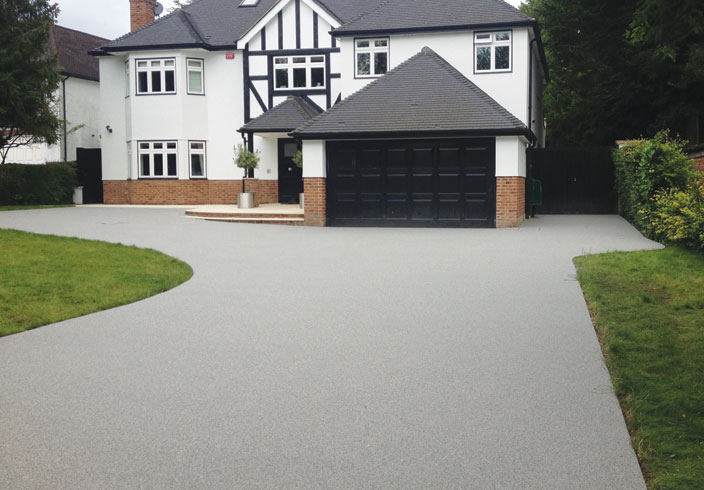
{"type": "Point", "coordinates": [408, 112]}
{"type": "Point", "coordinates": [77, 99]}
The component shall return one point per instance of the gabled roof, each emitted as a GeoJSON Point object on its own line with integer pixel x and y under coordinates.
{"type": "Point", "coordinates": [416, 15]}
{"type": "Point", "coordinates": [71, 48]}
{"type": "Point", "coordinates": [283, 118]}
{"type": "Point", "coordinates": [423, 95]}
{"type": "Point", "coordinates": [217, 24]}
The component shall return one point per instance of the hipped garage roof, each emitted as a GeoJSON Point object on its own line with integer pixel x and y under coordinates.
{"type": "Point", "coordinates": [423, 95]}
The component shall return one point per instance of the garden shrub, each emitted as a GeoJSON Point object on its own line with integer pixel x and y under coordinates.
{"type": "Point", "coordinates": [52, 183]}
{"type": "Point", "coordinates": [645, 166]}
{"type": "Point", "coordinates": [677, 216]}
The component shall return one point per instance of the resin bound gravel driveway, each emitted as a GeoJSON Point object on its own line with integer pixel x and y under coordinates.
{"type": "Point", "coordinates": [314, 358]}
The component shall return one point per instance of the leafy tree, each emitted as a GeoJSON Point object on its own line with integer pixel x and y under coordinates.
{"type": "Point", "coordinates": [620, 69]}
{"type": "Point", "coordinates": [29, 74]}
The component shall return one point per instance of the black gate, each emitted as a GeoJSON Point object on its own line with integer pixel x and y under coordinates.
{"type": "Point", "coordinates": [575, 180]}
{"type": "Point", "coordinates": [90, 174]}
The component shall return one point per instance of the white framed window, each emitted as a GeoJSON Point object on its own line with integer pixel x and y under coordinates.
{"type": "Point", "coordinates": [157, 159]}
{"type": "Point", "coordinates": [299, 72]}
{"type": "Point", "coordinates": [196, 159]}
{"type": "Point", "coordinates": [492, 51]}
{"type": "Point", "coordinates": [156, 76]}
{"type": "Point", "coordinates": [371, 57]}
{"type": "Point", "coordinates": [195, 76]}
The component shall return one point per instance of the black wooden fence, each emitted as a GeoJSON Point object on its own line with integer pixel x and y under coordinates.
{"type": "Point", "coordinates": [575, 180]}
{"type": "Point", "coordinates": [90, 174]}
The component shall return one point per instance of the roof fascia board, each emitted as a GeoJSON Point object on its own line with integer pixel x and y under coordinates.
{"type": "Point", "coordinates": [162, 47]}
{"type": "Point", "coordinates": [275, 9]}
{"type": "Point", "coordinates": [68, 74]}
{"type": "Point", "coordinates": [264, 20]}
{"type": "Point", "coordinates": [525, 132]}
{"type": "Point", "coordinates": [410, 30]}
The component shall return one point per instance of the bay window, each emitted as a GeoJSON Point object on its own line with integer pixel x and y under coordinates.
{"type": "Point", "coordinates": [196, 158]}
{"type": "Point", "coordinates": [157, 159]}
{"type": "Point", "coordinates": [195, 76]}
{"type": "Point", "coordinates": [156, 76]}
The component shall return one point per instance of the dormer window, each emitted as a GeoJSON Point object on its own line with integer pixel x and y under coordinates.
{"type": "Point", "coordinates": [492, 52]}
{"type": "Point", "coordinates": [249, 3]}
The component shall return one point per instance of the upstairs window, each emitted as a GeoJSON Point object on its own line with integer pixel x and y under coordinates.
{"type": "Point", "coordinates": [299, 72]}
{"type": "Point", "coordinates": [156, 76]}
{"type": "Point", "coordinates": [157, 159]}
{"type": "Point", "coordinates": [372, 57]}
{"type": "Point", "coordinates": [492, 51]}
{"type": "Point", "coordinates": [195, 76]}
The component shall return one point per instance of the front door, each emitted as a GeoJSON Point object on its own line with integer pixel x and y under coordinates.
{"type": "Point", "coordinates": [290, 176]}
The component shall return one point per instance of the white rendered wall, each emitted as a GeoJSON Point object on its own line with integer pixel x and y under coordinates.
{"type": "Point", "coordinates": [314, 162]}
{"type": "Point", "coordinates": [112, 113]}
{"type": "Point", "coordinates": [511, 156]}
{"type": "Point", "coordinates": [509, 89]}
{"type": "Point", "coordinates": [268, 146]}
{"type": "Point", "coordinates": [82, 108]}
{"type": "Point", "coordinates": [213, 117]}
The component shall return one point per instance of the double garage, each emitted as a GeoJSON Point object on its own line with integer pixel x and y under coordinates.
{"type": "Point", "coordinates": [435, 182]}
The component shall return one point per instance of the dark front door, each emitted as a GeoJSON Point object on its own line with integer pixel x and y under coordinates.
{"type": "Point", "coordinates": [446, 182]}
{"type": "Point", "coordinates": [290, 176]}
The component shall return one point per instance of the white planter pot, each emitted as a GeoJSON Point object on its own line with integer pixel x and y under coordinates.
{"type": "Point", "coordinates": [78, 195]}
{"type": "Point", "coordinates": [300, 199]}
{"type": "Point", "coordinates": [245, 200]}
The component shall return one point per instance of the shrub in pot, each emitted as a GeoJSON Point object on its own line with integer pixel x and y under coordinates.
{"type": "Point", "coordinates": [245, 159]}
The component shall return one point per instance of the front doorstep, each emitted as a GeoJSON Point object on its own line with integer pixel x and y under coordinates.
{"type": "Point", "coordinates": [282, 214]}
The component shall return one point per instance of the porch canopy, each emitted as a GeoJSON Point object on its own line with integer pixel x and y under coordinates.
{"type": "Point", "coordinates": [283, 118]}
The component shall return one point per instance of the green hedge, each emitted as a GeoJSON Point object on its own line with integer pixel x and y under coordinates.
{"type": "Point", "coordinates": [677, 216]}
{"type": "Point", "coordinates": [52, 183]}
{"type": "Point", "coordinates": [645, 166]}
{"type": "Point", "coordinates": [658, 190]}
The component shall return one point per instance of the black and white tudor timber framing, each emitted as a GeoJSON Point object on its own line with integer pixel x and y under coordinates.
{"type": "Point", "coordinates": [292, 28]}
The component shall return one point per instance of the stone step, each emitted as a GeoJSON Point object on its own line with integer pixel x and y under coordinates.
{"type": "Point", "coordinates": [208, 214]}
{"type": "Point", "coordinates": [267, 220]}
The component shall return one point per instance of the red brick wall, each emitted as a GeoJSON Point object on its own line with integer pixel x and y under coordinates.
{"type": "Point", "coordinates": [171, 191]}
{"type": "Point", "coordinates": [141, 13]}
{"type": "Point", "coordinates": [265, 191]}
{"type": "Point", "coordinates": [314, 206]}
{"type": "Point", "coordinates": [510, 201]}
{"type": "Point", "coordinates": [699, 163]}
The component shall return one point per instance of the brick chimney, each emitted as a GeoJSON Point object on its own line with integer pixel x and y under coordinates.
{"type": "Point", "coordinates": [141, 13]}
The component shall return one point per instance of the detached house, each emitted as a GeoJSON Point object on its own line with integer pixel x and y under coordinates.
{"type": "Point", "coordinates": [77, 99]}
{"type": "Point", "coordinates": [408, 112]}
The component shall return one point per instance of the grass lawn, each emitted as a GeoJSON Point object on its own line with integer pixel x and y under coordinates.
{"type": "Point", "coordinates": [648, 310]}
{"type": "Point", "coordinates": [18, 207]}
{"type": "Point", "coordinates": [46, 279]}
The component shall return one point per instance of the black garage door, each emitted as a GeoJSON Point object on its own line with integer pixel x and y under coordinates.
{"type": "Point", "coordinates": [443, 182]}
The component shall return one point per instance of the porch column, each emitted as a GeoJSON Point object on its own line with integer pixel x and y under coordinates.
{"type": "Point", "coordinates": [314, 173]}
{"type": "Point", "coordinates": [510, 181]}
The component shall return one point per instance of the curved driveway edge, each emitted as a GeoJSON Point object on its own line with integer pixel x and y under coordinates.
{"type": "Point", "coordinates": [323, 358]}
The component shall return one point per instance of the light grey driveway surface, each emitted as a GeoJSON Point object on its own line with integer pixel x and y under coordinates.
{"type": "Point", "coordinates": [314, 358]}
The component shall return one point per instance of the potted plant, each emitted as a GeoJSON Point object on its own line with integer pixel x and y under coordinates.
{"type": "Point", "coordinates": [245, 159]}
{"type": "Point", "coordinates": [298, 162]}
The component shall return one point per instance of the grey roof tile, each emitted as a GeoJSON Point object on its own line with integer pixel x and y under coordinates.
{"type": "Point", "coordinates": [290, 114]}
{"type": "Point", "coordinates": [399, 15]}
{"type": "Point", "coordinates": [72, 48]}
{"type": "Point", "coordinates": [219, 23]}
{"type": "Point", "coordinates": [425, 94]}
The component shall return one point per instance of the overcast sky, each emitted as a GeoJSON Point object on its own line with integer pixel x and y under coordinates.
{"type": "Point", "coordinates": [110, 18]}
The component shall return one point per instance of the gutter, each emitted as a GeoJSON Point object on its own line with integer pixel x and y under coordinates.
{"type": "Point", "coordinates": [530, 85]}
